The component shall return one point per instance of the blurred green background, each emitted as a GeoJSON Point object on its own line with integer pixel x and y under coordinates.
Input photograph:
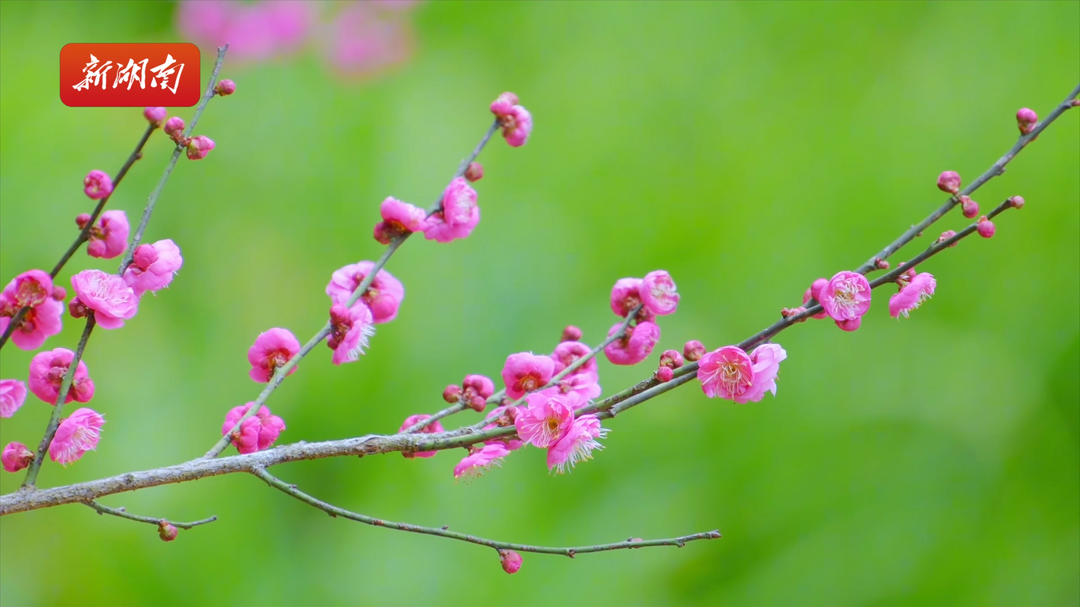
{"type": "Point", "coordinates": [747, 148]}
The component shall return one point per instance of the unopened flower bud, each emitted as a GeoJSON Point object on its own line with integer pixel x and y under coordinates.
{"type": "Point", "coordinates": [671, 358]}
{"type": "Point", "coordinates": [97, 184]}
{"type": "Point", "coordinates": [16, 456]}
{"type": "Point", "coordinates": [174, 127]}
{"type": "Point", "coordinates": [881, 264]}
{"type": "Point", "coordinates": [985, 227]}
{"type": "Point", "coordinates": [76, 308]}
{"type": "Point", "coordinates": [947, 234]}
{"type": "Point", "coordinates": [510, 560]}
{"type": "Point", "coordinates": [144, 256]}
{"type": "Point", "coordinates": [452, 394]}
{"type": "Point", "coordinates": [693, 350]}
{"type": "Point", "coordinates": [1017, 202]}
{"type": "Point", "coordinates": [1026, 119]}
{"type": "Point", "coordinates": [850, 325]}
{"type": "Point", "coordinates": [225, 88]}
{"type": "Point", "coordinates": [166, 532]}
{"type": "Point", "coordinates": [82, 220]}
{"type": "Point", "coordinates": [475, 171]}
{"type": "Point", "coordinates": [58, 293]}
{"type": "Point", "coordinates": [155, 115]}
{"type": "Point", "coordinates": [477, 403]}
{"type": "Point", "coordinates": [664, 374]}
{"type": "Point", "coordinates": [199, 147]}
{"type": "Point", "coordinates": [949, 181]}
{"type": "Point", "coordinates": [969, 207]}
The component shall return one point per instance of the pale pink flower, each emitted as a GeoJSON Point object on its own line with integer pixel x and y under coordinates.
{"type": "Point", "coordinates": [846, 296]}
{"type": "Point", "coordinates": [726, 373]}
{"type": "Point", "coordinates": [501, 417]}
{"type": "Point", "coordinates": [76, 435]}
{"type": "Point", "coordinates": [633, 347]}
{"type": "Point", "coordinates": [153, 266]}
{"type": "Point", "coordinates": [38, 324]}
{"type": "Point", "coordinates": [16, 457]}
{"type": "Point", "coordinates": [477, 463]}
{"type": "Point", "coordinates": [432, 428]}
{"type": "Point", "coordinates": [458, 215]}
{"type": "Point", "coordinates": [547, 418]}
{"type": "Point", "coordinates": [352, 327]}
{"type": "Point", "coordinates": [107, 295]}
{"type": "Point", "coordinates": [911, 296]}
{"type": "Point", "coordinates": [765, 360]}
{"type": "Point", "coordinates": [155, 115]}
{"type": "Point", "coordinates": [584, 384]}
{"type": "Point", "coordinates": [510, 561]}
{"type": "Point", "coordinates": [383, 296]}
{"type": "Point", "coordinates": [199, 147]}
{"type": "Point", "coordinates": [31, 288]}
{"type": "Point", "coordinates": [255, 31]}
{"type": "Point", "coordinates": [658, 293]}
{"type": "Point", "coordinates": [108, 239]}
{"type": "Point", "coordinates": [361, 42]}
{"type": "Point", "coordinates": [257, 432]}
{"type": "Point", "coordinates": [578, 444]}
{"type": "Point", "coordinates": [97, 184]}
{"type": "Point", "coordinates": [525, 372]}
{"type": "Point", "coordinates": [12, 396]}
{"type": "Point", "coordinates": [47, 370]}
{"type": "Point", "coordinates": [568, 352]}
{"type": "Point", "coordinates": [272, 349]}
{"type": "Point", "coordinates": [399, 218]}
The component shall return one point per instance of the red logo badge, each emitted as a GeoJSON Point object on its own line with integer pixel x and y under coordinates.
{"type": "Point", "coordinates": [129, 75]}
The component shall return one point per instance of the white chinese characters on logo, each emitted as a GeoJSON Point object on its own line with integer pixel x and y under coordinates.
{"type": "Point", "coordinates": [94, 74]}
{"type": "Point", "coordinates": [134, 71]}
{"type": "Point", "coordinates": [165, 70]}
{"type": "Point", "coordinates": [130, 73]}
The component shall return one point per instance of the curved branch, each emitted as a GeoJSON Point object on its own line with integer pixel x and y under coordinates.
{"type": "Point", "coordinates": [122, 513]}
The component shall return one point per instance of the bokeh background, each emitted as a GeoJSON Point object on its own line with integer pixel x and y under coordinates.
{"type": "Point", "coordinates": [747, 148]}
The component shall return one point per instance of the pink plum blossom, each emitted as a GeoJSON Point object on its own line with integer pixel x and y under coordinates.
{"type": "Point", "coordinates": [166, 531]}
{"type": "Point", "coordinates": [225, 88]}
{"type": "Point", "coordinates": [625, 295]}
{"type": "Point", "coordinates": [432, 428]}
{"type": "Point", "coordinates": [846, 296]}
{"type": "Point", "coordinates": [658, 293]}
{"type": "Point", "coordinates": [474, 172]}
{"type": "Point", "coordinates": [352, 327]}
{"type": "Point", "coordinates": [671, 359]}
{"type": "Point", "coordinates": [949, 181]}
{"type": "Point", "coordinates": [577, 445]}
{"type": "Point", "coordinates": [16, 457]}
{"type": "Point", "coordinates": [174, 128]}
{"type": "Point", "coordinates": [584, 384]}
{"type": "Point", "coordinates": [985, 227]}
{"type": "Point", "coordinates": [257, 432]}
{"type": "Point", "coordinates": [31, 288]}
{"type": "Point", "coordinates": [12, 396]}
{"type": "Point", "coordinates": [664, 374]}
{"type": "Point", "coordinates": [1026, 119]}
{"type": "Point", "coordinates": [271, 350]}
{"type": "Point", "coordinates": [97, 184]}
{"type": "Point", "coordinates": [693, 350]}
{"type": "Point", "coordinates": [47, 370]}
{"type": "Point", "coordinates": [153, 266]}
{"type": "Point", "coordinates": [255, 31]}
{"type": "Point", "coordinates": [525, 372]}
{"type": "Point", "coordinates": [765, 360]}
{"type": "Point", "coordinates": [361, 42]}
{"type": "Point", "coordinates": [155, 115]}
{"type": "Point", "coordinates": [458, 214]}
{"type": "Point", "coordinates": [478, 462]}
{"type": "Point", "coordinates": [503, 103]}
{"type": "Point", "coordinates": [515, 120]}
{"type": "Point", "coordinates": [726, 373]}
{"type": "Point", "coordinates": [814, 292]}
{"type": "Point", "coordinates": [108, 239]}
{"type": "Point", "coordinates": [969, 207]}
{"type": "Point", "coordinates": [76, 435]}
{"type": "Point", "coordinates": [111, 299]}
{"type": "Point", "coordinates": [568, 352]}
{"type": "Point", "coordinates": [399, 218]}
{"type": "Point", "coordinates": [476, 389]}
{"type": "Point", "coordinates": [571, 333]}
{"type": "Point", "coordinates": [911, 296]}
{"type": "Point", "coordinates": [633, 347]}
{"type": "Point", "coordinates": [199, 147]}
{"type": "Point", "coordinates": [38, 324]}
{"type": "Point", "coordinates": [510, 561]}
{"type": "Point", "coordinates": [502, 417]}
{"type": "Point", "coordinates": [547, 418]}
{"type": "Point", "coordinates": [383, 296]}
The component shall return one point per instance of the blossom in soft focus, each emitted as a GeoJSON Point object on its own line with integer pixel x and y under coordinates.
{"type": "Point", "coordinates": [433, 428]}
{"type": "Point", "coordinates": [515, 120]}
{"type": "Point", "coordinates": [362, 41]}
{"type": "Point", "coordinates": [985, 227]}
{"type": "Point", "coordinates": [108, 239]}
{"type": "Point", "coordinates": [584, 384]}
{"type": "Point", "coordinates": [257, 432]}
{"type": "Point", "coordinates": [12, 396]}
{"type": "Point", "coordinates": [199, 147]}
{"type": "Point", "coordinates": [577, 445]}
{"type": "Point", "coordinates": [633, 347]}
{"type": "Point", "coordinates": [510, 561]}
{"type": "Point", "coordinates": [76, 435]}
{"type": "Point", "coordinates": [383, 296]}
{"type": "Point", "coordinates": [525, 372]}
{"type": "Point", "coordinates": [1016, 202]}
{"type": "Point", "coordinates": [352, 327]}
{"type": "Point", "coordinates": [1026, 119]}
{"type": "Point", "coordinates": [846, 296]}
{"type": "Point", "coordinates": [399, 218]}
{"type": "Point", "coordinates": [153, 266]}
{"type": "Point", "coordinates": [568, 352]}
{"type": "Point", "coordinates": [155, 115]}
{"type": "Point", "coordinates": [671, 359]}
{"type": "Point", "coordinates": [912, 295]}
{"type": "Point", "coordinates": [111, 299]}
{"type": "Point", "coordinates": [658, 293]}
{"type": "Point", "coordinates": [458, 214]}
{"type": "Point", "coordinates": [97, 184]}
{"type": "Point", "coordinates": [16, 457]}
{"type": "Point", "coordinates": [474, 172]}
{"type": "Point", "coordinates": [664, 374]}
{"type": "Point", "coordinates": [969, 207]}
{"type": "Point", "coordinates": [166, 531]}
{"type": "Point", "coordinates": [949, 181]}
{"type": "Point", "coordinates": [477, 463]}
{"type": "Point", "coordinates": [272, 349]}
{"type": "Point", "coordinates": [547, 418]}
{"type": "Point", "coordinates": [726, 373]}
{"type": "Point", "coordinates": [625, 296]}
{"type": "Point", "coordinates": [255, 31]}
{"type": "Point", "coordinates": [47, 370]}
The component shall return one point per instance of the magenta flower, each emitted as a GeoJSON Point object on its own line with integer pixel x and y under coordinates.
{"type": "Point", "coordinates": [693, 350]}
{"type": "Point", "coordinates": [458, 215]}
{"type": "Point", "coordinates": [47, 370]}
{"type": "Point", "coordinates": [765, 361]}
{"type": "Point", "coordinates": [255, 31]}
{"type": "Point", "coordinates": [476, 389]}
{"type": "Point", "coordinates": [911, 296]}
{"type": "Point", "coordinates": [815, 292]}
{"type": "Point", "coordinates": [272, 349]}
{"type": "Point", "coordinates": [174, 128]}
{"type": "Point", "coordinates": [97, 184]}
{"type": "Point", "coordinates": [969, 207]}
{"type": "Point", "coordinates": [525, 372]}
{"type": "Point", "coordinates": [155, 115]}
{"type": "Point", "coordinates": [257, 432]}
{"type": "Point", "coordinates": [633, 347]}
{"type": "Point", "coordinates": [1026, 119]}
{"type": "Point", "coordinates": [107, 295]}
{"type": "Point", "coordinates": [849, 325]}
{"type": "Point", "coordinates": [399, 218]}
{"type": "Point", "coordinates": [846, 296]}
{"type": "Point", "coordinates": [225, 88]}
{"type": "Point", "coordinates": [108, 239]}
{"type": "Point", "coordinates": [31, 288]}
{"type": "Point", "coordinates": [383, 297]}
{"type": "Point", "coordinates": [76, 435]}
{"type": "Point", "coordinates": [584, 384]}
{"type": "Point", "coordinates": [362, 42]}
{"type": "Point", "coordinates": [510, 561]}
{"type": "Point", "coordinates": [16, 457]}
{"type": "Point", "coordinates": [477, 463]}
{"type": "Point", "coordinates": [726, 373]}
{"type": "Point", "coordinates": [199, 147]}
{"type": "Point", "coordinates": [578, 444]}
{"type": "Point", "coordinates": [153, 266]}
{"type": "Point", "coordinates": [432, 428]}
{"type": "Point", "coordinates": [38, 324]}
{"type": "Point", "coordinates": [515, 120]}
{"type": "Point", "coordinates": [547, 418]}
{"type": "Point", "coordinates": [568, 352]}
{"type": "Point", "coordinates": [625, 295]}
{"type": "Point", "coordinates": [985, 227]}
{"type": "Point", "coordinates": [658, 293]}
{"type": "Point", "coordinates": [949, 181]}
{"type": "Point", "coordinates": [502, 417]}
{"type": "Point", "coordinates": [12, 396]}
{"type": "Point", "coordinates": [352, 327]}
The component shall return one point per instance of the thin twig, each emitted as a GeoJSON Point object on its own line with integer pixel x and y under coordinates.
{"type": "Point", "coordinates": [122, 513]}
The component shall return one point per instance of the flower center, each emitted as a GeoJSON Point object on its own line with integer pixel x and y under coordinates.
{"type": "Point", "coordinates": [734, 377]}
{"type": "Point", "coordinates": [846, 292]}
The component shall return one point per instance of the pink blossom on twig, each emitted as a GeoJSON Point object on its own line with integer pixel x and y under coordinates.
{"type": "Point", "coordinates": [111, 299]}
{"type": "Point", "coordinates": [153, 266]}
{"type": "Point", "coordinates": [108, 239]}
{"type": "Point", "coordinates": [846, 296]}
{"type": "Point", "coordinates": [635, 346]}
{"type": "Point", "coordinates": [12, 396]}
{"type": "Point", "coordinates": [76, 435]}
{"type": "Point", "coordinates": [433, 428]}
{"type": "Point", "coordinates": [383, 296]}
{"type": "Point", "coordinates": [16, 457]}
{"type": "Point", "coordinates": [271, 350]}
{"type": "Point", "coordinates": [912, 295]}
{"type": "Point", "coordinates": [47, 370]}
{"type": "Point", "coordinates": [257, 432]}
{"type": "Point", "coordinates": [525, 372]}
